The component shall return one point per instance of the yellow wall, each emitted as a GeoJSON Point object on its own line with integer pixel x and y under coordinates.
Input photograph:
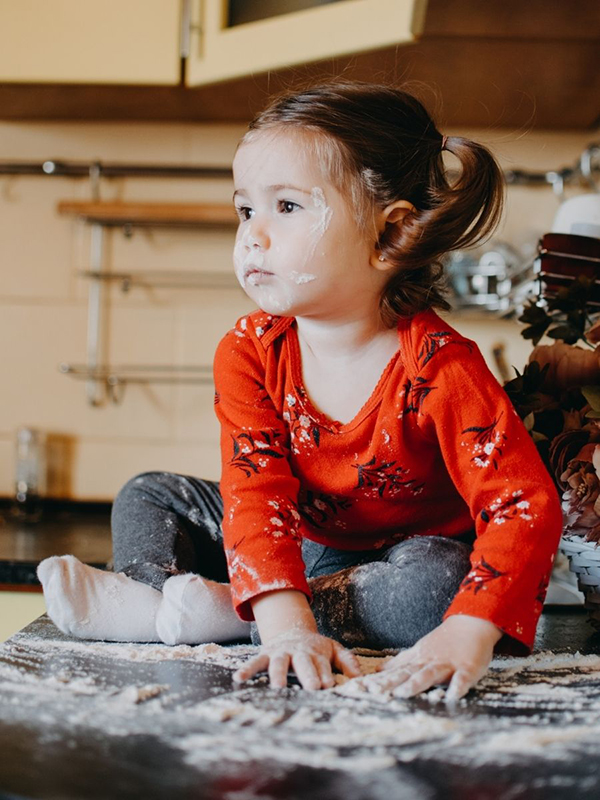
{"type": "Point", "coordinates": [43, 302]}
{"type": "Point", "coordinates": [18, 609]}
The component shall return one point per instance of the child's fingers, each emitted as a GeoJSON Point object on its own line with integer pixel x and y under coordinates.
{"type": "Point", "coordinates": [397, 661]}
{"type": "Point", "coordinates": [306, 671]}
{"type": "Point", "coordinates": [279, 666]}
{"type": "Point", "coordinates": [256, 664]}
{"type": "Point", "coordinates": [424, 679]}
{"type": "Point", "coordinates": [387, 681]}
{"type": "Point", "coordinates": [323, 666]}
{"type": "Point", "coordinates": [346, 661]}
{"type": "Point", "coordinates": [460, 684]}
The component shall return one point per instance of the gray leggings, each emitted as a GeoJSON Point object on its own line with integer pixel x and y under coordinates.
{"type": "Point", "coordinates": [165, 524]}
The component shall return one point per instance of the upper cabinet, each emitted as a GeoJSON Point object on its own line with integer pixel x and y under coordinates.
{"type": "Point", "coordinates": [143, 41]}
{"type": "Point", "coordinates": [90, 41]}
{"type": "Point", "coordinates": [516, 64]}
{"type": "Point", "coordinates": [232, 38]}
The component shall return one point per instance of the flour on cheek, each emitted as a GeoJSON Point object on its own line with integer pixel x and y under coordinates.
{"type": "Point", "coordinates": [323, 219]}
{"type": "Point", "coordinates": [302, 277]}
{"type": "Point", "coordinates": [316, 233]}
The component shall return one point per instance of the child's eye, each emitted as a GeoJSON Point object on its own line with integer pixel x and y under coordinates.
{"type": "Point", "coordinates": [243, 212]}
{"type": "Point", "coordinates": [287, 206]}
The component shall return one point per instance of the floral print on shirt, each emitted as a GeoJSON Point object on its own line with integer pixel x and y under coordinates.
{"type": "Point", "coordinates": [319, 508]}
{"type": "Point", "coordinates": [485, 443]}
{"type": "Point", "coordinates": [251, 450]}
{"type": "Point", "coordinates": [481, 574]}
{"type": "Point", "coordinates": [416, 393]}
{"type": "Point", "coordinates": [433, 343]}
{"type": "Point", "coordinates": [504, 509]}
{"type": "Point", "coordinates": [303, 430]}
{"type": "Point", "coordinates": [388, 476]}
{"type": "Point", "coordinates": [284, 519]}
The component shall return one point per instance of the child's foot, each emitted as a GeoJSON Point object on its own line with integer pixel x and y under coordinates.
{"type": "Point", "coordinates": [196, 610]}
{"type": "Point", "coordinates": [93, 604]}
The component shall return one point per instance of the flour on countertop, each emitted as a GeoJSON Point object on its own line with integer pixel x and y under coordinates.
{"type": "Point", "coordinates": [549, 704]}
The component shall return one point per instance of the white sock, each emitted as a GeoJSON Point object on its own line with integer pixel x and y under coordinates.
{"type": "Point", "coordinates": [196, 610]}
{"type": "Point", "coordinates": [93, 604]}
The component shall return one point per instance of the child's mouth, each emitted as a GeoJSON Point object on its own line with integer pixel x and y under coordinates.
{"type": "Point", "coordinates": [254, 275]}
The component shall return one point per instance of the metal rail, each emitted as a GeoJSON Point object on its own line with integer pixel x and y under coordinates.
{"type": "Point", "coordinates": [98, 169]}
{"type": "Point", "coordinates": [586, 171]}
{"type": "Point", "coordinates": [113, 380]}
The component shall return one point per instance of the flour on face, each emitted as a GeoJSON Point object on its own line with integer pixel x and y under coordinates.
{"type": "Point", "coordinates": [302, 277]}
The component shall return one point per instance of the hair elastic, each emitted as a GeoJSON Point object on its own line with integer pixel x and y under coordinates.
{"type": "Point", "coordinates": [444, 140]}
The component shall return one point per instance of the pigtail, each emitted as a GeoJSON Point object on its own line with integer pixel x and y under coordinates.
{"type": "Point", "coordinates": [451, 216]}
{"type": "Point", "coordinates": [467, 212]}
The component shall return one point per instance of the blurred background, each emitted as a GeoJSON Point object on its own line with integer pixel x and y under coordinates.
{"type": "Point", "coordinates": [118, 125]}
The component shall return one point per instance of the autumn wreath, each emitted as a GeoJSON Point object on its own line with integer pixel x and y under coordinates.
{"type": "Point", "coordinates": [558, 398]}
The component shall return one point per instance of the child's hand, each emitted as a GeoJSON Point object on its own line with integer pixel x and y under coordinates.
{"type": "Point", "coordinates": [309, 654]}
{"type": "Point", "coordinates": [457, 652]}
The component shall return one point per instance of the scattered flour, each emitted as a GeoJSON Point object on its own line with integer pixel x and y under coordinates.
{"type": "Point", "coordinates": [139, 694]}
{"type": "Point", "coordinates": [545, 706]}
{"type": "Point", "coordinates": [232, 656]}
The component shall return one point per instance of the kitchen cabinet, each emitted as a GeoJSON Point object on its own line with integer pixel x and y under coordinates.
{"type": "Point", "coordinates": [502, 63]}
{"type": "Point", "coordinates": [70, 41]}
{"type": "Point", "coordinates": [220, 50]}
{"type": "Point", "coordinates": [141, 41]}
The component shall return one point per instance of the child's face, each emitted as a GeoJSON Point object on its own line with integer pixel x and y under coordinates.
{"type": "Point", "coordinates": [299, 249]}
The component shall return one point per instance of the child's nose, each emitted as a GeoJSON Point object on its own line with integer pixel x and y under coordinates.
{"type": "Point", "coordinates": [258, 235]}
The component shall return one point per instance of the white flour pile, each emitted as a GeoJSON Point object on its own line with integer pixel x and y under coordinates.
{"type": "Point", "coordinates": [545, 706]}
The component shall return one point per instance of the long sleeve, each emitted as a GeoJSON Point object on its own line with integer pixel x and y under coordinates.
{"type": "Point", "coordinates": [497, 470]}
{"type": "Point", "coordinates": [261, 519]}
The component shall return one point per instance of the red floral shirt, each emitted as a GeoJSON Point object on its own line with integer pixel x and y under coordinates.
{"type": "Point", "coordinates": [437, 450]}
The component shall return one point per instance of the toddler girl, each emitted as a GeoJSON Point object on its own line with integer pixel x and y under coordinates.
{"type": "Point", "coordinates": [377, 488]}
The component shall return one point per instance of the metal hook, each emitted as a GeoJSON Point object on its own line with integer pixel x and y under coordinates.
{"type": "Point", "coordinates": [590, 158]}
{"type": "Point", "coordinates": [95, 176]}
{"type": "Point", "coordinates": [557, 181]}
{"type": "Point", "coordinates": [115, 388]}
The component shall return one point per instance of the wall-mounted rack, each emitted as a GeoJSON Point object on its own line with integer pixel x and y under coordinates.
{"type": "Point", "coordinates": [98, 169]}
{"type": "Point", "coordinates": [114, 379]}
{"type": "Point", "coordinates": [104, 381]}
{"type": "Point", "coordinates": [584, 172]}
{"type": "Point", "coordinates": [130, 215]}
{"type": "Point", "coordinates": [165, 279]}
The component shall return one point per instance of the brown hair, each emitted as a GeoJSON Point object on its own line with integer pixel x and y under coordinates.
{"type": "Point", "coordinates": [380, 144]}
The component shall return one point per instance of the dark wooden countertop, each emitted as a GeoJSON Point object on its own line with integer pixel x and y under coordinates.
{"type": "Point", "coordinates": [100, 720]}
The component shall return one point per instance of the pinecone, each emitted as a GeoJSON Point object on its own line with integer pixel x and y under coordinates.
{"type": "Point", "coordinates": [563, 449]}
{"type": "Point", "coordinates": [581, 498]}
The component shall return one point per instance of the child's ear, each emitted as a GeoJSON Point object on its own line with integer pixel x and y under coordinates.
{"type": "Point", "coordinates": [391, 215]}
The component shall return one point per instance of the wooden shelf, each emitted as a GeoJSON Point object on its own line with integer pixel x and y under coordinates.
{"type": "Point", "coordinates": [173, 279]}
{"type": "Point", "coordinates": [150, 213]}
